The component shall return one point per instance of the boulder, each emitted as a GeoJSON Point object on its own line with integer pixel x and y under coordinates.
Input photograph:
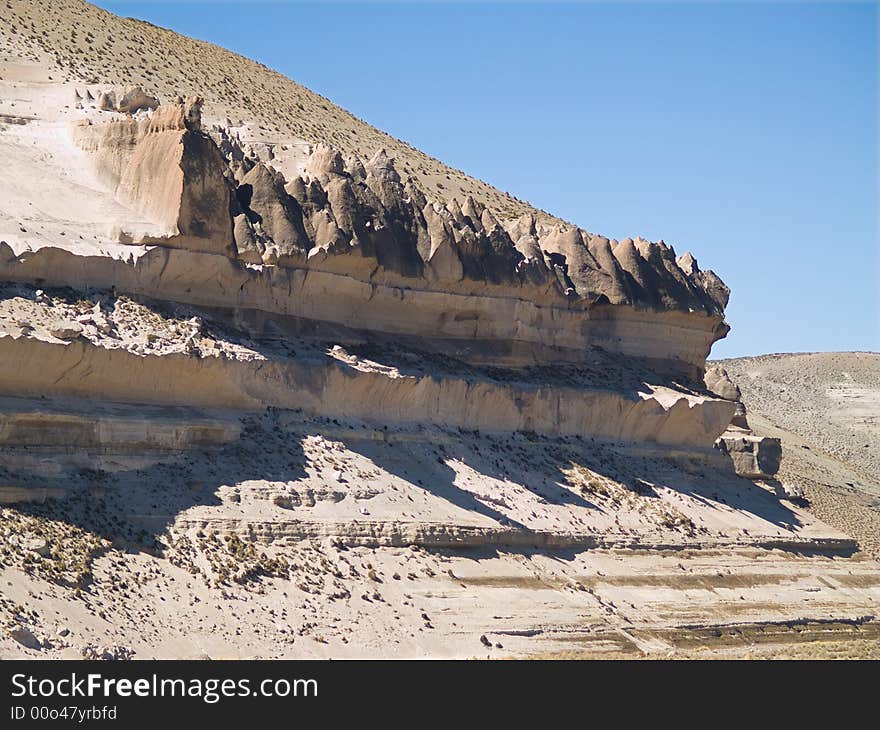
{"type": "Point", "coordinates": [39, 546]}
{"type": "Point", "coordinates": [24, 636]}
{"type": "Point", "coordinates": [129, 100]}
{"type": "Point", "coordinates": [66, 330]}
{"type": "Point", "coordinates": [718, 382]}
{"type": "Point", "coordinates": [792, 492]}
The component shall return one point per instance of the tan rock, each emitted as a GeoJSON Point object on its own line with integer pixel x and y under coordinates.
{"type": "Point", "coordinates": [175, 177]}
{"type": "Point", "coordinates": [262, 193]}
{"type": "Point", "coordinates": [753, 457]}
{"type": "Point", "coordinates": [66, 330]}
{"type": "Point", "coordinates": [719, 382]}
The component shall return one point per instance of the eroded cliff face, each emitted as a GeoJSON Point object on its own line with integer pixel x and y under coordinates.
{"type": "Point", "coordinates": [115, 350]}
{"type": "Point", "coordinates": [276, 378]}
{"type": "Point", "coordinates": [363, 220]}
{"type": "Point", "coordinates": [340, 291]}
{"type": "Point", "coordinates": [165, 169]}
{"type": "Point", "coordinates": [346, 253]}
{"type": "Point", "coordinates": [350, 243]}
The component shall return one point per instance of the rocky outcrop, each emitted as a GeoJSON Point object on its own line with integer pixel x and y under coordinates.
{"type": "Point", "coordinates": [129, 100]}
{"type": "Point", "coordinates": [500, 330]}
{"type": "Point", "coordinates": [166, 169]}
{"type": "Point", "coordinates": [46, 441]}
{"type": "Point", "coordinates": [110, 145]}
{"type": "Point", "coordinates": [234, 356]}
{"type": "Point", "coordinates": [371, 246]}
{"type": "Point", "coordinates": [344, 387]}
{"type": "Point", "coordinates": [175, 177]}
{"type": "Point", "coordinates": [273, 220]}
{"type": "Point", "coordinates": [348, 216]}
{"type": "Point", "coordinates": [386, 228]}
{"type": "Point", "coordinates": [718, 382]}
{"type": "Point", "coordinates": [753, 457]}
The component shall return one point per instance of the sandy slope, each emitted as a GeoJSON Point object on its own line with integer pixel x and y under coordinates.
{"type": "Point", "coordinates": [310, 537]}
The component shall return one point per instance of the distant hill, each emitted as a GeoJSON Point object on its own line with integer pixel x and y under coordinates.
{"type": "Point", "coordinates": [826, 408]}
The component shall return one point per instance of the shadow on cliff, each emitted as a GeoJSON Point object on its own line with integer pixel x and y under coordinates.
{"type": "Point", "coordinates": [716, 487]}
{"type": "Point", "coordinates": [133, 508]}
{"type": "Point", "coordinates": [489, 456]}
{"type": "Point", "coordinates": [137, 507]}
{"type": "Point", "coordinates": [600, 369]}
{"type": "Point", "coordinates": [434, 476]}
{"type": "Point", "coordinates": [740, 494]}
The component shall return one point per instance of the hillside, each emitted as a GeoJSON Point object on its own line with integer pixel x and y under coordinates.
{"type": "Point", "coordinates": [266, 391]}
{"type": "Point", "coordinates": [826, 409]}
{"type": "Point", "coordinates": [79, 41]}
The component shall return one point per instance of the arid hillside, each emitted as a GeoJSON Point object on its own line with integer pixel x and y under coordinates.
{"type": "Point", "coordinates": [88, 43]}
{"type": "Point", "coordinates": [266, 391]}
{"type": "Point", "coordinates": [826, 409]}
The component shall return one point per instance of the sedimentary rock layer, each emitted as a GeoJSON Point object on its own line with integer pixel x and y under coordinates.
{"type": "Point", "coordinates": [352, 243]}
{"type": "Point", "coordinates": [499, 329]}
{"type": "Point", "coordinates": [103, 426]}
{"type": "Point", "coordinates": [35, 367]}
{"type": "Point", "coordinates": [43, 443]}
{"type": "Point", "coordinates": [374, 534]}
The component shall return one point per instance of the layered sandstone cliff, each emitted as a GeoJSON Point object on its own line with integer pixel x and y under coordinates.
{"type": "Point", "coordinates": [349, 243]}
{"type": "Point", "coordinates": [264, 396]}
{"type": "Point", "coordinates": [347, 254]}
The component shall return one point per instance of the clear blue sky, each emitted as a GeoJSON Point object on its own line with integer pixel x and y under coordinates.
{"type": "Point", "coordinates": [746, 133]}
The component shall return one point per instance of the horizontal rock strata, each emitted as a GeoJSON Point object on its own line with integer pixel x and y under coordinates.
{"type": "Point", "coordinates": [499, 329]}
{"type": "Point", "coordinates": [34, 367]}
{"type": "Point", "coordinates": [353, 243]}
{"type": "Point", "coordinates": [366, 533]}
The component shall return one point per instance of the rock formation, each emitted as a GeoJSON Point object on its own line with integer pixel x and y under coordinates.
{"type": "Point", "coordinates": [266, 372]}
{"type": "Point", "coordinates": [535, 292]}
{"type": "Point", "coordinates": [129, 100]}
{"type": "Point", "coordinates": [166, 169]}
{"type": "Point", "coordinates": [753, 457]}
{"type": "Point", "coordinates": [349, 250]}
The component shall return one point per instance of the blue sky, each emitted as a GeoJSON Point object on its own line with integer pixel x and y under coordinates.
{"type": "Point", "coordinates": [746, 133]}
